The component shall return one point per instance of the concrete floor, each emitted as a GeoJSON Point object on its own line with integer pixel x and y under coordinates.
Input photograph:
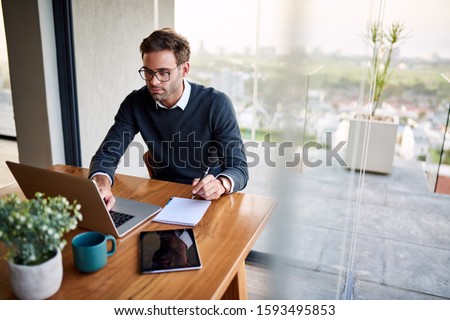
{"type": "Point", "coordinates": [395, 245]}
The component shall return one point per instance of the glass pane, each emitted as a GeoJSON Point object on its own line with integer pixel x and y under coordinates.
{"type": "Point", "coordinates": [8, 145]}
{"type": "Point", "coordinates": [7, 124]}
{"type": "Point", "coordinates": [337, 233]}
{"type": "Point", "coordinates": [438, 157]}
{"type": "Point", "coordinates": [296, 85]}
{"type": "Point", "coordinates": [393, 255]}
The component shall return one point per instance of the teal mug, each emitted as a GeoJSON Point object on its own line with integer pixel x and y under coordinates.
{"type": "Point", "coordinates": [90, 250]}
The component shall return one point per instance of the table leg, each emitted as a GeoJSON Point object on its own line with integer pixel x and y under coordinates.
{"type": "Point", "coordinates": [237, 290]}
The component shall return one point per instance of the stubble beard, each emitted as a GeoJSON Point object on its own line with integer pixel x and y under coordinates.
{"type": "Point", "coordinates": [158, 96]}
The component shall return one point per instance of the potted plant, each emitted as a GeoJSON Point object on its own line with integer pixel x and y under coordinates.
{"type": "Point", "coordinates": [377, 153]}
{"type": "Point", "coordinates": [32, 231]}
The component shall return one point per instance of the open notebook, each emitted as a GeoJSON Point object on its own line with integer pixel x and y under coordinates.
{"type": "Point", "coordinates": [183, 211]}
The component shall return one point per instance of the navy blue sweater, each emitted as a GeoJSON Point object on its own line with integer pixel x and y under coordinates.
{"type": "Point", "coordinates": [182, 143]}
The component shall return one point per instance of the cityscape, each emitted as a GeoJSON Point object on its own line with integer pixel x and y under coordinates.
{"type": "Point", "coordinates": [418, 94]}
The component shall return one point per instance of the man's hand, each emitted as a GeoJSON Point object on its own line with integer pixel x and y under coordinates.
{"type": "Point", "coordinates": [104, 186]}
{"type": "Point", "coordinates": [209, 188]}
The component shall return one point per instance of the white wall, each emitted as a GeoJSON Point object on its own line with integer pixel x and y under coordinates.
{"type": "Point", "coordinates": [107, 35]}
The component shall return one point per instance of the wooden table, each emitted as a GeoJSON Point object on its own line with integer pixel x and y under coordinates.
{"type": "Point", "coordinates": [225, 236]}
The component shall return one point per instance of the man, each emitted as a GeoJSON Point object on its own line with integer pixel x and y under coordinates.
{"type": "Point", "coordinates": [187, 127]}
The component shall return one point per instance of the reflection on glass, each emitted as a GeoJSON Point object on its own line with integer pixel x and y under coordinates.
{"type": "Point", "coordinates": [172, 252]}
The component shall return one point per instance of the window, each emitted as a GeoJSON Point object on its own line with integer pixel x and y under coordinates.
{"type": "Point", "coordinates": [7, 125]}
{"type": "Point", "coordinates": [296, 71]}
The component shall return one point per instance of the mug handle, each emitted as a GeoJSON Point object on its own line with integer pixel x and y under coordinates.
{"type": "Point", "coordinates": [113, 243]}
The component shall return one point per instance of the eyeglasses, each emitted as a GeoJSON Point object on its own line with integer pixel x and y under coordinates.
{"type": "Point", "coordinates": [161, 75]}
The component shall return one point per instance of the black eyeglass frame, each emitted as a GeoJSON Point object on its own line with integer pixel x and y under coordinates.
{"type": "Point", "coordinates": [155, 73]}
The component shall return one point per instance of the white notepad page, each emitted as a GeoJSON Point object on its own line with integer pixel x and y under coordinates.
{"type": "Point", "coordinates": [183, 211]}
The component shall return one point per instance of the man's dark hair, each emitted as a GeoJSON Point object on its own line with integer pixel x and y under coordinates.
{"type": "Point", "coordinates": [167, 39]}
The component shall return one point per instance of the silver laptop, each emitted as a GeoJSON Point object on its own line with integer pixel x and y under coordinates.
{"type": "Point", "coordinates": [124, 216]}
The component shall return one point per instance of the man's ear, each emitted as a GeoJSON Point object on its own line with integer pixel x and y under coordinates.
{"type": "Point", "coordinates": [185, 68]}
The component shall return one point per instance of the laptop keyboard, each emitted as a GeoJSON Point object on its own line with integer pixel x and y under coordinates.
{"type": "Point", "coordinates": [119, 218]}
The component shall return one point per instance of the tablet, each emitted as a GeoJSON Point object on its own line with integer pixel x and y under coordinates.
{"type": "Point", "coordinates": [168, 250]}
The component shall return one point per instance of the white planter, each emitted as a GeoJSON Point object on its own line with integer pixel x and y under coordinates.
{"type": "Point", "coordinates": [381, 145]}
{"type": "Point", "coordinates": [36, 282]}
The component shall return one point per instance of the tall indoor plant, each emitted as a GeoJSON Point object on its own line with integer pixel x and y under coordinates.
{"type": "Point", "coordinates": [32, 231]}
{"type": "Point", "coordinates": [372, 137]}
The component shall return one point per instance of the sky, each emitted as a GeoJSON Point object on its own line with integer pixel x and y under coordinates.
{"type": "Point", "coordinates": [331, 25]}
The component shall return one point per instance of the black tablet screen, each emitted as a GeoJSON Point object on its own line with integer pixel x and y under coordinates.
{"type": "Point", "coordinates": [168, 250]}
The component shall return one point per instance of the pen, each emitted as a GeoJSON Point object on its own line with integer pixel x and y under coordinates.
{"type": "Point", "coordinates": [205, 173]}
{"type": "Point", "coordinates": [169, 201]}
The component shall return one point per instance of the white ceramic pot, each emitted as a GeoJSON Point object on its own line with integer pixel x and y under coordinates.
{"type": "Point", "coordinates": [36, 282]}
{"type": "Point", "coordinates": [380, 145]}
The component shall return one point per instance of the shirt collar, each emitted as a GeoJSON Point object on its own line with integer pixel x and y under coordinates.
{"type": "Point", "coordinates": [182, 103]}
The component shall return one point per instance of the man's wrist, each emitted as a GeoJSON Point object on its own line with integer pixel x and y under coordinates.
{"type": "Point", "coordinates": [101, 175]}
{"type": "Point", "coordinates": [226, 184]}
